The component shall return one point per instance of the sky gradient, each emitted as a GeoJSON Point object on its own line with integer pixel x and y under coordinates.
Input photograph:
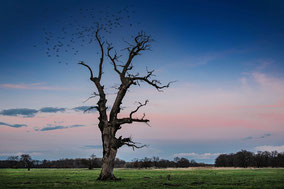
{"type": "Point", "coordinates": [226, 58]}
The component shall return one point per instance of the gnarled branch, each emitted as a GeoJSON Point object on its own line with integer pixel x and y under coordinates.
{"type": "Point", "coordinates": [142, 43]}
{"type": "Point", "coordinates": [128, 141]}
{"type": "Point", "coordinates": [101, 44]}
{"type": "Point", "coordinates": [90, 108]}
{"type": "Point", "coordinates": [113, 58]}
{"type": "Point", "coordinates": [91, 72]}
{"type": "Point", "coordinates": [130, 119]}
{"type": "Point", "coordinates": [138, 107]}
{"type": "Point", "coordinates": [155, 83]}
{"type": "Point", "coordinates": [93, 96]}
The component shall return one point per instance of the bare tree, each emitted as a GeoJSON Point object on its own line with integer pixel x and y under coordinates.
{"type": "Point", "coordinates": [27, 160]}
{"type": "Point", "coordinates": [110, 124]}
{"type": "Point", "coordinates": [92, 162]}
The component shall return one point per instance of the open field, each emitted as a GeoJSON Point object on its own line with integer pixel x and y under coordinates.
{"type": "Point", "coordinates": [144, 178]}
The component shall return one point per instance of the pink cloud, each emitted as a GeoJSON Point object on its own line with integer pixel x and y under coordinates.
{"type": "Point", "coordinates": [268, 82]}
{"type": "Point", "coordinates": [273, 116]}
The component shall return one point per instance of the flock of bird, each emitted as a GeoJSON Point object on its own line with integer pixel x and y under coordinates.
{"type": "Point", "coordinates": [80, 31]}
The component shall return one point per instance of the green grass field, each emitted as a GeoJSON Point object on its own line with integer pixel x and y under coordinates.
{"type": "Point", "coordinates": [151, 178]}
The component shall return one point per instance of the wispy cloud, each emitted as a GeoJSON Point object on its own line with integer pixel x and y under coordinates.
{"type": "Point", "coordinates": [265, 135]}
{"type": "Point", "coordinates": [83, 108]}
{"type": "Point", "coordinates": [52, 110]}
{"type": "Point", "coordinates": [270, 148]}
{"type": "Point", "coordinates": [267, 82]}
{"type": "Point", "coordinates": [26, 112]}
{"type": "Point", "coordinates": [30, 112]}
{"type": "Point", "coordinates": [13, 125]}
{"type": "Point", "coordinates": [261, 137]}
{"type": "Point", "coordinates": [263, 64]}
{"type": "Point", "coordinates": [19, 111]}
{"type": "Point", "coordinates": [195, 61]}
{"type": "Point", "coordinates": [57, 127]}
{"type": "Point", "coordinates": [248, 138]}
{"type": "Point", "coordinates": [72, 126]}
{"type": "Point", "coordinates": [53, 128]}
{"type": "Point", "coordinates": [198, 156]}
{"type": "Point", "coordinates": [32, 86]}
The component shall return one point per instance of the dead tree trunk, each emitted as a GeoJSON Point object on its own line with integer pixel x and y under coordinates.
{"type": "Point", "coordinates": [109, 125]}
{"type": "Point", "coordinates": [109, 154]}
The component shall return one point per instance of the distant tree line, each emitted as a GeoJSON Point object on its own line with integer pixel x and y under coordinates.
{"type": "Point", "coordinates": [156, 162]}
{"type": "Point", "coordinates": [25, 161]}
{"type": "Point", "coordinates": [248, 159]}
{"type": "Point", "coordinates": [240, 159]}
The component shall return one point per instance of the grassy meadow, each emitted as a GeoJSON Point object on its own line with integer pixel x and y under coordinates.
{"type": "Point", "coordinates": [144, 178]}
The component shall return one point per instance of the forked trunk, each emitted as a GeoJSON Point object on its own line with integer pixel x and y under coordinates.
{"type": "Point", "coordinates": [109, 154]}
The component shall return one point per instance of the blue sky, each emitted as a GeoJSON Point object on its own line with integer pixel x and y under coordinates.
{"type": "Point", "coordinates": [226, 56]}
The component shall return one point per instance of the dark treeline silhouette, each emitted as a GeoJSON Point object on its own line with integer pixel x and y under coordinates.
{"type": "Point", "coordinates": [163, 163]}
{"type": "Point", "coordinates": [94, 162]}
{"type": "Point", "coordinates": [245, 158]}
{"type": "Point", "coordinates": [240, 159]}
{"type": "Point", "coordinates": [90, 163]}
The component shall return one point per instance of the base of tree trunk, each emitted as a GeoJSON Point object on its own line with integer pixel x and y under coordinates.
{"type": "Point", "coordinates": [105, 178]}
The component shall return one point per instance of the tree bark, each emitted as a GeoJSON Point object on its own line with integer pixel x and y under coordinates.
{"type": "Point", "coordinates": [109, 153]}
